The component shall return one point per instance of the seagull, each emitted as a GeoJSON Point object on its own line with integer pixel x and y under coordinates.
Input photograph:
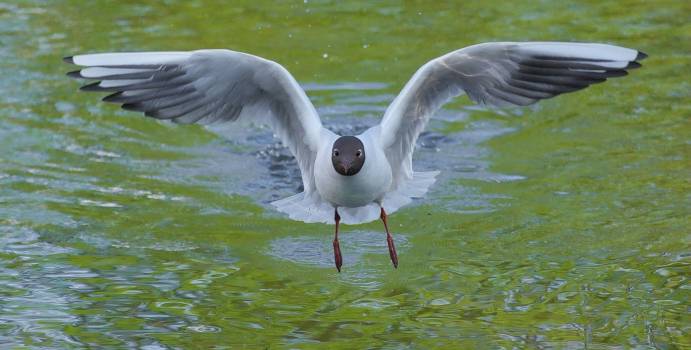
{"type": "Point", "coordinates": [352, 178]}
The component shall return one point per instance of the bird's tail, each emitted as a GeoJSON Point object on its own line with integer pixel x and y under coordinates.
{"type": "Point", "coordinates": [312, 208]}
{"type": "Point", "coordinates": [306, 208]}
{"type": "Point", "coordinates": [407, 190]}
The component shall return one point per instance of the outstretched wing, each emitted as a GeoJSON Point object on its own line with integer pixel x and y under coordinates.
{"type": "Point", "coordinates": [495, 74]}
{"type": "Point", "coordinates": [208, 86]}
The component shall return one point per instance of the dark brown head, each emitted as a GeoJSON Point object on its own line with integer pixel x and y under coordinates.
{"type": "Point", "coordinates": [348, 155]}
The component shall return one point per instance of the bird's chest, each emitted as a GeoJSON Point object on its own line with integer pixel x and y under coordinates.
{"type": "Point", "coordinates": [367, 186]}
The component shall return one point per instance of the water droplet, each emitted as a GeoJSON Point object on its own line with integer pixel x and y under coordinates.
{"type": "Point", "coordinates": [566, 296]}
{"type": "Point", "coordinates": [90, 203]}
{"type": "Point", "coordinates": [439, 302]}
{"type": "Point", "coordinates": [663, 272]}
{"type": "Point", "coordinates": [204, 329]}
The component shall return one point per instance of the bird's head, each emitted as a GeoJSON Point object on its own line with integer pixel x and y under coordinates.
{"type": "Point", "coordinates": [348, 155]}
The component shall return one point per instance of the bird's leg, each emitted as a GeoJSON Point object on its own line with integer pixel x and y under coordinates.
{"type": "Point", "coordinates": [337, 248]}
{"type": "Point", "coordinates": [389, 240]}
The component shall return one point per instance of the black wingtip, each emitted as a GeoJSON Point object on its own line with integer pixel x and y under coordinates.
{"type": "Point", "coordinates": [633, 65]}
{"type": "Point", "coordinates": [92, 87]}
{"type": "Point", "coordinates": [75, 74]}
{"type": "Point", "coordinates": [136, 107]}
{"type": "Point", "coordinates": [616, 73]}
{"type": "Point", "coordinates": [641, 56]}
{"type": "Point", "coordinates": [130, 107]}
{"type": "Point", "coordinates": [68, 59]}
{"type": "Point", "coordinates": [115, 98]}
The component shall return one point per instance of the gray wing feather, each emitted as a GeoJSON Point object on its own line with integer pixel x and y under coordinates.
{"type": "Point", "coordinates": [209, 86]}
{"type": "Point", "coordinates": [495, 74]}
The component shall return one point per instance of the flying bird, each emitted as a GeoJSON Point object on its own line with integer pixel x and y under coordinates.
{"type": "Point", "coordinates": [353, 178]}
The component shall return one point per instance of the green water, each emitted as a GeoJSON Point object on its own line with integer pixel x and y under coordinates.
{"type": "Point", "coordinates": [564, 227]}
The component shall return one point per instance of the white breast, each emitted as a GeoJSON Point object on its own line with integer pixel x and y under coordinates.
{"type": "Point", "coordinates": [367, 186]}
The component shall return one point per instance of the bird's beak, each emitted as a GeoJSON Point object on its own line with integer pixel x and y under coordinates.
{"type": "Point", "coordinates": [346, 168]}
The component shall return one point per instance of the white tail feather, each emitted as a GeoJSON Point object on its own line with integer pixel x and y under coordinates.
{"type": "Point", "coordinates": [302, 207]}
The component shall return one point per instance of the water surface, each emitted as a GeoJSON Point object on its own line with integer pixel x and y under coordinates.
{"type": "Point", "coordinates": [560, 226]}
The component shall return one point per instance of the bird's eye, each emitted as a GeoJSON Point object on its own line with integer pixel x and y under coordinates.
{"type": "Point", "coordinates": [336, 153]}
{"type": "Point", "coordinates": [358, 153]}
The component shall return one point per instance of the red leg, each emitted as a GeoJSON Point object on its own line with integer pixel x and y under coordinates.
{"type": "Point", "coordinates": [389, 240]}
{"type": "Point", "coordinates": [337, 248]}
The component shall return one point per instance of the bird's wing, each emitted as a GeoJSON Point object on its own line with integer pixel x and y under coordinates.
{"type": "Point", "coordinates": [495, 74]}
{"type": "Point", "coordinates": [208, 86]}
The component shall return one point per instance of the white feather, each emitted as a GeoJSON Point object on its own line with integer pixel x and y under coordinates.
{"type": "Point", "coordinates": [313, 208]}
{"type": "Point", "coordinates": [129, 58]}
{"type": "Point", "coordinates": [97, 72]}
{"type": "Point", "coordinates": [579, 50]}
{"type": "Point", "coordinates": [114, 83]}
